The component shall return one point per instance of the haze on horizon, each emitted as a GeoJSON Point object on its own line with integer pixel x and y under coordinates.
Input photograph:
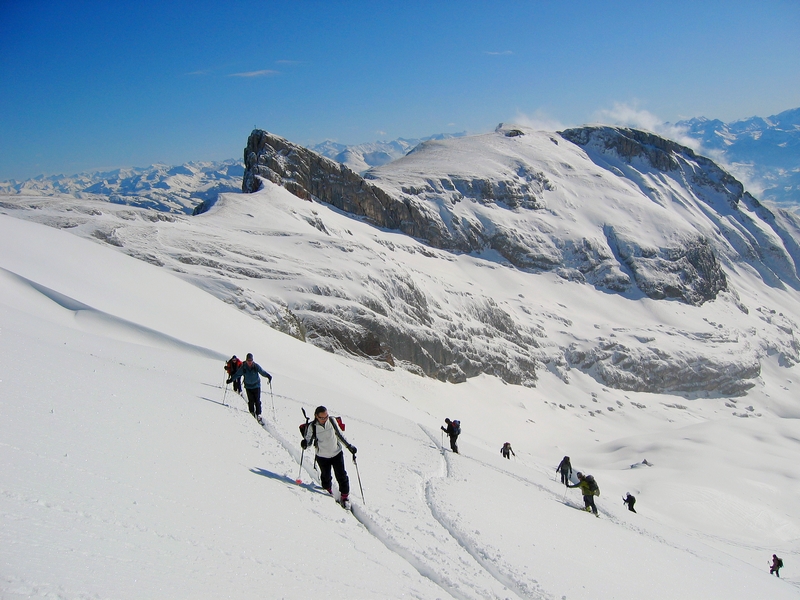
{"type": "Point", "coordinates": [98, 85]}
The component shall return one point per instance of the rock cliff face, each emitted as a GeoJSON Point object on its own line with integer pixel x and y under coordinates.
{"type": "Point", "coordinates": [624, 211]}
{"type": "Point", "coordinates": [309, 175]}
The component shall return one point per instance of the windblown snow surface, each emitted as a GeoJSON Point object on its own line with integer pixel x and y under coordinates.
{"type": "Point", "coordinates": [128, 471]}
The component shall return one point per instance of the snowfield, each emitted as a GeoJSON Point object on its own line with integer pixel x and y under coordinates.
{"type": "Point", "coordinates": [129, 472]}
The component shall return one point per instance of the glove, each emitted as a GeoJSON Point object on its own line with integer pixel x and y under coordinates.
{"type": "Point", "coordinates": [304, 444]}
{"type": "Point", "coordinates": [229, 380]}
{"type": "Point", "coordinates": [269, 378]}
{"type": "Point", "coordinates": [353, 450]}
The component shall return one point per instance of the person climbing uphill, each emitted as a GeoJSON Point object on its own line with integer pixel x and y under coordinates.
{"type": "Point", "coordinates": [777, 563]}
{"type": "Point", "coordinates": [231, 367]}
{"type": "Point", "coordinates": [565, 468]}
{"type": "Point", "coordinates": [589, 488]}
{"type": "Point", "coordinates": [252, 384]}
{"type": "Point", "coordinates": [506, 450]}
{"type": "Point", "coordinates": [453, 430]}
{"type": "Point", "coordinates": [325, 436]}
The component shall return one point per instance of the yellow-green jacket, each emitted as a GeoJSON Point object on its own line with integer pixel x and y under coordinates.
{"type": "Point", "coordinates": [586, 487]}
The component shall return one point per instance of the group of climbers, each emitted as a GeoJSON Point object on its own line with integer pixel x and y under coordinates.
{"type": "Point", "coordinates": [325, 435]}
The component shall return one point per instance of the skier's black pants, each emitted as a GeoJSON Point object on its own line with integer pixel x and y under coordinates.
{"type": "Point", "coordinates": [564, 477]}
{"type": "Point", "coordinates": [337, 462]}
{"type": "Point", "coordinates": [453, 445]}
{"type": "Point", "coordinates": [237, 385]}
{"type": "Point", "coordinates": [254, 401]}
{"type": "Point", "coordinates": [589, 502]}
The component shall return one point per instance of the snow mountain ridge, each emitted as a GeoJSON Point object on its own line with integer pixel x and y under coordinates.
{"type": "Point", "coordinates": [129, 472]}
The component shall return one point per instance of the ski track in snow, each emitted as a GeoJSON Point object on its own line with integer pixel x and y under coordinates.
{"type": "Point", "coordinates": [483, 556]}
{"type": "Point", "coordinates": [369, 521]}
{"type": "Point", "coordinates": [363, 516]}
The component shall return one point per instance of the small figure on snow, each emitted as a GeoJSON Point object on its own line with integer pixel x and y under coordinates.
{"type": "Point", "coordinates": [777, 563]}
{"type": "Point", "coordinates": [231, 367]}
{"type": "Point", "coordinates": [324, 434]}
{"type": "Point", "coordinates": [565, 468]}
{"type": "Point", "coordinates": [506, 450]}
{"type": "Point", "coordinates": [453, 430]}
{"type": "Point", "coordinates": [252, 384]}
{"type": "Point", "coordinates": [589, 488]}
{"type": "Point", "coordinates": [630, 501]}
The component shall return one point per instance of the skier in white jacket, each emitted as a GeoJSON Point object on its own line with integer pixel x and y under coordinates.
{"type": "Point", "coordinates": [324, 434]}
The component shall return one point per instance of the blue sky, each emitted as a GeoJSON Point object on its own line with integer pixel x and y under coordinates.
{"type": "Point", "coordinates": [92, 85]}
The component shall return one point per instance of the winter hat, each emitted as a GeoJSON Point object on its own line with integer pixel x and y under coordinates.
{"type": "Point", "coordinates": [249, 356]}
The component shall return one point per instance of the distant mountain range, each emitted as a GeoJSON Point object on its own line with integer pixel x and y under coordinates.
{"type": "Point", "coordinates": [764, 153]}
{"type": "Point", "coordinates": [176, 189]}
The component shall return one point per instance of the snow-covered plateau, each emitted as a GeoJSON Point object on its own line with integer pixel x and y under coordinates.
{"type": "Point", "coordinates": [600, 294]}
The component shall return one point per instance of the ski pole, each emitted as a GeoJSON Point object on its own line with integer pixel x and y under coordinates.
{"type": "Point", "coordinates": [359, 479]}
{"type": "Point", "coordinates": [272, 398]}
{"type": "Point", "coordinates": [225, 394]}
{"type": "Point", "coordinates": [299, 481]}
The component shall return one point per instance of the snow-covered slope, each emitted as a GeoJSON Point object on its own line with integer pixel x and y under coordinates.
{"type": "Point", "coordinates": [178, 189]}
{"type": "Point", "coordinates": [763, 151]}
{"type": "Point", "coordinates": [125, 475]}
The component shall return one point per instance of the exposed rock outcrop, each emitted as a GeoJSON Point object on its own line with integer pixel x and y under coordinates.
{"type": "Point", "coordinates": [309, 175]}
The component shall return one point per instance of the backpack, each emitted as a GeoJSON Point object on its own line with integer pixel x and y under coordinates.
{"type": "Point", "coordinates": [304, 427]}
{"type": "Point", "coordinates": [594, 489]}
{"type": "Point", "coordinates": [456, 427]}
{"type": "Point", "coordinates": [232, 365]}
{"type": "Point", "coordinates": [780, 563]}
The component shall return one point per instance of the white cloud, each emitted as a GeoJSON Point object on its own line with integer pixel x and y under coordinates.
{"type": "Point", "coordinates": [503, 53]}
{"type": "Point", "coordinates": [539, 120]}
{"type": "Point", "coordinates": [630, 115]}
{"type": "Point", "coordinates": [262, 73]}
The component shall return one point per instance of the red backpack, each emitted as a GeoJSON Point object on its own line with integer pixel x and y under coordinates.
{"type": "Point", "coordinates": [232, 365]}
